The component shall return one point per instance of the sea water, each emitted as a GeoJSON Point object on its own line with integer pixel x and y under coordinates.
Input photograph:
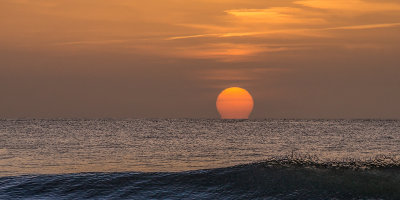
{"type": "Point", "coordinates": [199, 159]}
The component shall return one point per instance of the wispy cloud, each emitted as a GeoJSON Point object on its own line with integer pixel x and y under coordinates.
{"type": "Point", "coordinates": [299, 32]}
{"type": "Point", "coordinates": [274, 15]}
{"type": "Point", "coordinates": [228, 52]}
{"type": "Point", "coordinates": [91, 42]}
{"type": "Point", "coordinates": [224, 30]}
{"type": "Point", "coordinates": [366, 26]}
{"type": "Point", "coordinates": [351, 5]}
{"type": "Point", "coordinates": [309, 31]}
{"type": "Point", "coordinates": [194, 36]}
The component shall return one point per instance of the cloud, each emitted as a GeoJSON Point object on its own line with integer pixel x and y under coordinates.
{"type": "Point", "coordinates": [351, 5]}
{"type": "Point", "coordinates": [224, 52]}
{"type": "Point", "coordinates": [366, 26]}
{"type": "Point", "coordinates": [275, 15]}
{"type": "Point", "coordinates": [92, 42]}
{"type": "Point", "coordinates": [224, 30]}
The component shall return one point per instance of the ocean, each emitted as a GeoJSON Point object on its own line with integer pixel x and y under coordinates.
{"type": "Point", "coordinates": [199, 159]}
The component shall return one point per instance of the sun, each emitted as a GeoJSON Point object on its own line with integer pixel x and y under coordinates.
{"type": "Point", "coordinates": [235, 103]}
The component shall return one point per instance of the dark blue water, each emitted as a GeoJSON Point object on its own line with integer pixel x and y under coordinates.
{"type": "Point", "coordinates": [268, 180]}
{"type": "Point", "coordinates": [199, 159]}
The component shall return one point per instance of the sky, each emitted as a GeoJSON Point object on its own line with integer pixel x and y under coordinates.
{"type": "Point", "coordinates": [171, 58]}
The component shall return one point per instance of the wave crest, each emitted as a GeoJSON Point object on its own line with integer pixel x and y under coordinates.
{"type": "Point", "coordinates": [289, 177]}
{"type": "Point", "coordinates": [303, 160]}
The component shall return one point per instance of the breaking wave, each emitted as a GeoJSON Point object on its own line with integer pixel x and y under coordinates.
{"type": "Point", "coordinates": [291, 177]}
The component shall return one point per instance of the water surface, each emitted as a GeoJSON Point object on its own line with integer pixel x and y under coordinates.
{"type": "Point", "coordinates": [276, 159]}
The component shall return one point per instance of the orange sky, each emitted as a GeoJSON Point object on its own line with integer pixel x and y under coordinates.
{"type": "Point", "coordinates": [171, 58]}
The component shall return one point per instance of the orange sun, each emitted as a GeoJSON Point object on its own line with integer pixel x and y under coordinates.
{"type": "Point", "coordinates": [235, 103]}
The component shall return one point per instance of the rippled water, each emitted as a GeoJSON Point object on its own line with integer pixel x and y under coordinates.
{"type": "Point", "coordinates": [284, 159]}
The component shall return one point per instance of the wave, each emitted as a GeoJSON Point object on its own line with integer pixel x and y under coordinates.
{"type": "Point", "coordinates": [277, 178]}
